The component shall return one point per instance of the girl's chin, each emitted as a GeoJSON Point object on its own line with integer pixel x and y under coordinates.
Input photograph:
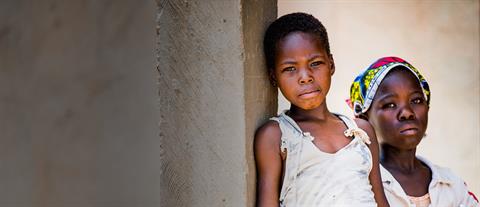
{"type": "Point", "coordinates": [309, 106]}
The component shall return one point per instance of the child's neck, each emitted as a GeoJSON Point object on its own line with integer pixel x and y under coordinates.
{"type": "Point", "coordinates": [413, 176]}
{"type": "Point", "coordinates": [319, 113]}
{"type": "Point", "coordinates": [401, 160]}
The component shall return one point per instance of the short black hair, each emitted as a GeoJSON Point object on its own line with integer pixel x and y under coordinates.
{"type": "Point", "coordinates": [294, 22]}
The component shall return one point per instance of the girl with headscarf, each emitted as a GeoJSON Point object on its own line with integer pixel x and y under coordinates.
{"type": "Point", "coordinates": [394, 97]}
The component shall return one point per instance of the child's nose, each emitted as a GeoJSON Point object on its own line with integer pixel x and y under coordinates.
{"type": "Point", "coordinates": [305, 77]}
{"type": "Point", "coordinates": [406, 113]}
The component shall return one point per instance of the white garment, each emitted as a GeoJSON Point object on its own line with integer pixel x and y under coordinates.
{"type": "Point", "coordinates": [445, 189]}
{"type": "Point", "coordinates": [316, 178]}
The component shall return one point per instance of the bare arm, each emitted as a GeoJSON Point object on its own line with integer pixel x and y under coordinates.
{"type": "Point", "coordinates": [375, 179]}
{"type": "Point", "coordinates": [268, 160]}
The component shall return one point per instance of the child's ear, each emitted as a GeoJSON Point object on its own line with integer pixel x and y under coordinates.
{"type": "Point", "coordinates": [273, 79]}
{"type": "Point", "coordinates": [332, 64]}
{"type": "Point", "coordinates": [363, 116]}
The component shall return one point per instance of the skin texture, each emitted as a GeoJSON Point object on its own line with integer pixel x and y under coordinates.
{"type": "Point", "coordinates": [303, 73]}
{"type": "Point", "coordinates": [399, 115]}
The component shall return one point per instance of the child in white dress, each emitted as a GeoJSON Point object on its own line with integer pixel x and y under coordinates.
{"type": "Point", "coordinates": [308, 156]}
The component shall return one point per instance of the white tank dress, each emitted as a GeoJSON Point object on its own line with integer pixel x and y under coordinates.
{"type": "Point", "coordinates": [316, 178]}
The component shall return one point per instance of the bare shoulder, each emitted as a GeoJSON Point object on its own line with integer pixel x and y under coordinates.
{"type": "Point", "coordinates": [366, 126]}
{"type": "Point", "coordinates": [268, 134]}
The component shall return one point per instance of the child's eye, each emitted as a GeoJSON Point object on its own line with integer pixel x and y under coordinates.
{"type": "Point", "coordinates": [417, 101]}
{"type": "Point", "coordinates": [316, 63]}
{"type": "Point", "coordinates": [288, 69]}
{"type": "Point", "coordinates": [388, 106]}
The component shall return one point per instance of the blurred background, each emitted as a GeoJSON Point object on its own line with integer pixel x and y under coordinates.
{"type": "Point", "coordinates": [78, 104]}
{"type": "Point", "coordinates": [440, 38]}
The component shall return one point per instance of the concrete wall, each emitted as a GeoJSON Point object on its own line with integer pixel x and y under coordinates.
{"type": "Point", "coordinates": [213, 95]}
{"type": "Point", "coordinates": [260, 97]}
{"type": "Point", "coordinates": [441, 38]}
{"type": "Point", "coordinates": [78, 104]}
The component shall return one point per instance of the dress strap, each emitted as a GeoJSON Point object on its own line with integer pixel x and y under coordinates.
{"type": "Point", "coordinates": [289, 129]}
{"type": "Point", "coordinates": [347, 120]}
{"type": "Point", "coordinates": [283, 143]}
{"type": "Point", "coordinates": [353, 129]}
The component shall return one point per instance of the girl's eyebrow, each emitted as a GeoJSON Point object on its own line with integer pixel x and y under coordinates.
{"type": "Point", "coordinates": [388, 95]}
{"type": "Point", "coordinates": [316, 56]}
{"type": "Point", "coordinates": [417, 91]}
{"type": "Point", "coordinates": [288, 62]}
{"type": "Point", "coordinates": [385, 96]}
{"type": "Point", "coordinates": [291, 62]}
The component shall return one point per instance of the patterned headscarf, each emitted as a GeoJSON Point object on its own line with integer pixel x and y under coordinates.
{"type": "Point", "coordinates": [365, 85]}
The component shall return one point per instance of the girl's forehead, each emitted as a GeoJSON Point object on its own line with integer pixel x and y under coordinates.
{"type": "Point", "coordinates": [298, 36]}
{"type": "Point", "coordinates": [299, 44]}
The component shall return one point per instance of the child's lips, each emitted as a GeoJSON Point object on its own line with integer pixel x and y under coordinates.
{"type": "Point", "coordinates": [409, 131]}
{"type": "Point", "coordinates": [310, 94]}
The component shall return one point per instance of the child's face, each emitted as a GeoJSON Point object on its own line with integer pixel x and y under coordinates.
{"type": "Point", "coordinates": [399, 112]}
{"type": "Point", "coordinates": [302, 70]}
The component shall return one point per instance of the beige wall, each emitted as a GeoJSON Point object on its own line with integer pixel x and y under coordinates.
{"type": "Point", "coordinates": [78, 104]}
{"type": "Point", "coordinates": [441, 38]}
{"type": "Point", "coordinates": [213, 95]}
